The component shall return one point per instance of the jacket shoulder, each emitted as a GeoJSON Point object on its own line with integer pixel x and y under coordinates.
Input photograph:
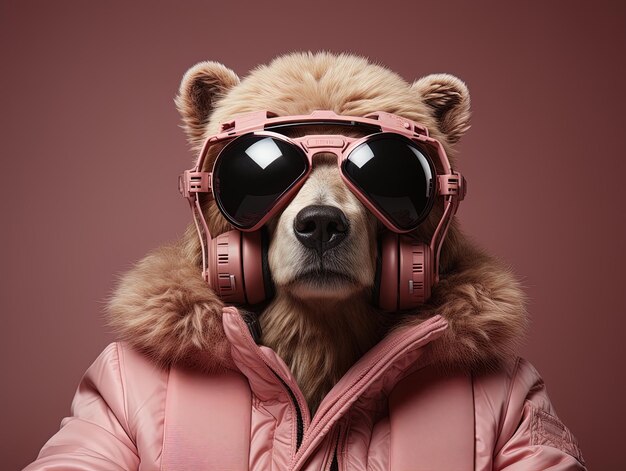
{"type": "Point", "coordinates": [142, 379]}
{"type": "Point", "coordinates": [133, 374]}
{"type": "Point", "coordinates": [97, 434]}
{"type": "Point", "coordinates": [514, 412]}
{"type": "Point", "coordinates": [135, 361]}
{"type": "Point", "coordinates": [144, 384]}
{"type": "Point", "coordinates": [511, 382]}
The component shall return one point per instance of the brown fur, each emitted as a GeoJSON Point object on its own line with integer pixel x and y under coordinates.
{"type": "Point", "coordinates": [320, 343]}
{"type": "Point", "coordinates": [163, 307]}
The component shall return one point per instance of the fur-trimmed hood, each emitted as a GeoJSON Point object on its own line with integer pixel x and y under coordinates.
{"type": "Point", "coordinates": [163, 307]}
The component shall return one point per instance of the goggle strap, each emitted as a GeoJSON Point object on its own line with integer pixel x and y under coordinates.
{"type": "Point", "coordinates": [190, 183]}
{"type": "Point", "coordinates": [205, 239]}
{"type": "Point", "coordinates": [452, 204]}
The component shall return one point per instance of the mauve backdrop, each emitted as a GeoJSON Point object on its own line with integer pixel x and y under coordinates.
{"type": "Point", "coordinates": [91, 148]}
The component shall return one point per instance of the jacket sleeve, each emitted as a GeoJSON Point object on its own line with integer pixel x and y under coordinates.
{"type": "Point", "coordinates": [532, 436]}
{"type": "Point", "coordinates": [96, 436]}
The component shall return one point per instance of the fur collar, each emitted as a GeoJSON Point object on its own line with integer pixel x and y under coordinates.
{"type": "Point", "coordinates": [163, 308]}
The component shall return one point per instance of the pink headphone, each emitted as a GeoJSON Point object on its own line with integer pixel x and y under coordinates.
{"type": "Point", "coordinates": [235, 263]}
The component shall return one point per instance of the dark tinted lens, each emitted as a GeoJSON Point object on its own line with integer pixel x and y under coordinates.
{"type": "Point", "coordinates": [395, 176]}
{"type": "Point", "coordinates": [251, 173]}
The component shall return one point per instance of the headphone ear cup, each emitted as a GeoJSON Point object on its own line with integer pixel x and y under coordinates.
{"type": "Point", "coordinates": [252, 262]}
{"type": "Point", "coordinates": [405, 277]}
{"type": "Point", "coordinates": [239, 272]}
{"type": "Point", "coordinates": [225, 269]}
{"type": "Point", "coordinates": [388, 273]}
{"type": "Point", "coordinates": [416, 273]}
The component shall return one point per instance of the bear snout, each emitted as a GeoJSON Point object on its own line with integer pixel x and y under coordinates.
{"type": "Point", "coordinates": [321, 227]}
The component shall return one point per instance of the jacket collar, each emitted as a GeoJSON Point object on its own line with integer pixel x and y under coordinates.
{"type": "Point", "coordinates": [372, 376]}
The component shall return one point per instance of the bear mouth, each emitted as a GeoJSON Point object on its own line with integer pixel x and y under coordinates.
{"type": "Point", "coordinates": [323, 275]}
{"type": "Point", "coordinates": [323, 279]}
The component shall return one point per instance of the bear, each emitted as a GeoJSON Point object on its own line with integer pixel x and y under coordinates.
{"type": "Point", "coordinates": [324, 378]}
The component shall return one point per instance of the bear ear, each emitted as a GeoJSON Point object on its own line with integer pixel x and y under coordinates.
{"type": "Point", "coordinates": [201, 87]}
{"type": "Point", "coordinates": [448, 98]}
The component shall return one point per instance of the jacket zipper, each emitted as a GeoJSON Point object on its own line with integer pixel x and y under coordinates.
{"type": "Point", "coordinates": [398, 342]}
{"type": "Point", "coordinates": [337, 405]}
{"type": "Point", "coordinates": [299, 421]}
{"type": "Point", "coordinates": [334, 464]}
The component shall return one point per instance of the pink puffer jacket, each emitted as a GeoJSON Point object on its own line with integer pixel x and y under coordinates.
{"type": "Point", "coordinates": [392, 410]}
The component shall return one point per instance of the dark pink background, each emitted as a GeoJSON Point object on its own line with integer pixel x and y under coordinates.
{"type": "Point", "coordinates": [91, 149]}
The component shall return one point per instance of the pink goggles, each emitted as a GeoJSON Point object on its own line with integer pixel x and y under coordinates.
{"type": "Point", "coordinates": [391, 170]}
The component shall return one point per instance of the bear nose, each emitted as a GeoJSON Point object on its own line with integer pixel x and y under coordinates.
{"type": "Point", "coordinates": [320, 227]}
